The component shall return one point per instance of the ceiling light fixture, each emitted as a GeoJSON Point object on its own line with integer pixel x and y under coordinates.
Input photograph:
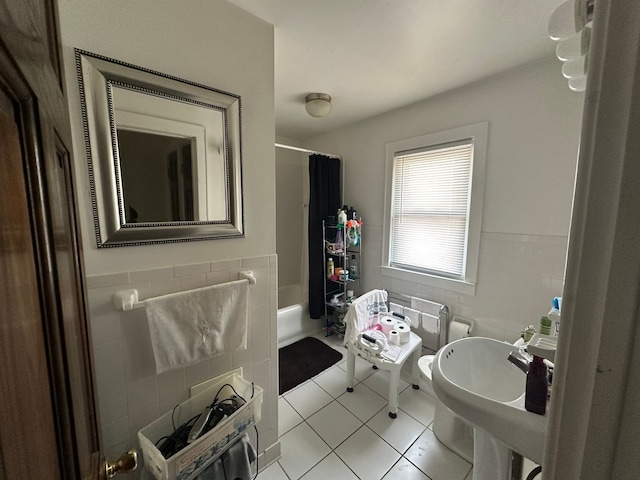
{"type": "Point", "coordinates": [317, 104]}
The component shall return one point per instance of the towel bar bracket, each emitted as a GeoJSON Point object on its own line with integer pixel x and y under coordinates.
{"type": "Point", "coordinates": [247, 274]}
{"type": "Point", "coordinates": [127, 300]}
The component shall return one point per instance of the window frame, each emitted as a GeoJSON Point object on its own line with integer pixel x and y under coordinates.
{"type": "Point", "coordinates": [478, 133]}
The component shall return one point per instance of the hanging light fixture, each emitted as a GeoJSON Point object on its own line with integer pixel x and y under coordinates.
{"type": "Point", "coordinates": [570, 26]}
{"type": "Point", "coordinates": [317, 104]}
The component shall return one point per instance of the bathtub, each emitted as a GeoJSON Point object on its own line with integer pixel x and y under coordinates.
{"type": "Point", "coordinates": [294, 322]}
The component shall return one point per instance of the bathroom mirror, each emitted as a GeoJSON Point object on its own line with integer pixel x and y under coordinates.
{"type": "Point", "coordinates": [165, 155]}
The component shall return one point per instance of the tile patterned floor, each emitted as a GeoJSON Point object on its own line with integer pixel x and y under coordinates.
{"type": "Point", "coordinates": [327, 433]}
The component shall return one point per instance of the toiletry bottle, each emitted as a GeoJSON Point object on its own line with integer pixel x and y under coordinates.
{"type": "Point", "coordinates": [545, 326]}
{"type": "Point", "coordinates": [528, 332]}
{"type": "Point", "coordinates": [535, 399]}
{"type": "Point", "coordinates": [330, 267]}
{"type": "Point", "coordinates": [339, 241]}
{"type": "Point", "coordinates": [353, 267]}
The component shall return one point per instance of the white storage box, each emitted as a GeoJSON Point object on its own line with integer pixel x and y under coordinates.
{"type": "Point", "coordinates": [193, 459]}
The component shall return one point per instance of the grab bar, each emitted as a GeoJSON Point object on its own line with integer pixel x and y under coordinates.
{"type": "Point", "coordinates": [127, 300]}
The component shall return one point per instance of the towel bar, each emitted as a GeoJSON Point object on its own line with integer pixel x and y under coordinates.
{"type": "Point", "coordinates": [443, 313]}
{"type": "Point", "coordinates": [127, 300]}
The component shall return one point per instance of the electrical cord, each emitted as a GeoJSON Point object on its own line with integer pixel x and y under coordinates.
{"type": "Point", "coordinates": [171, 444]}
{"type": "Point", "coordinates": [224, 471]}
{"type": "Point", "coordinates": [255, 427]}
{"type": "Point", "coordinates": [257, 451]}
{"type": "Point", "coordinates": [177, 440]}
{"type": "Point", "coordinates": [534, 473]}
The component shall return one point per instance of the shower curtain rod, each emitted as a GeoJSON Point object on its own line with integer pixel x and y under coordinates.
{"type": "Point", "coordinates": [305, 150]}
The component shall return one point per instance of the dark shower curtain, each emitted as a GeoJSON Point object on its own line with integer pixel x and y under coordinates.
{"type": "Point", "coordinates": [324, 200]}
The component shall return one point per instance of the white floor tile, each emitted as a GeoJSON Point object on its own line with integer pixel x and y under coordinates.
{"type": "Point", "coordinates": [301, 448]}
{"type": "Point", "coordinates": [287, 417]}
{"type": "Point", "coordinates": [398, 432]}
{"type": "Point", "coordinates": [342, 363]}
{"type": "Point", "coordinates": [331, 468]}
{"type": "Point", "coordinates": [333, 380]}
{"type": "Point", "coordinates": [418, 404]}
{"type": "Point", "coordinates": [373, 451]}
{"type": "Point", "coordinates": [273, 472]}
{"type": "Point", "coordinates": [367, 454]}
{"type": "Point", "coordinates": [334, 341]}
{"type": "Point", "coordinates": [435, 460]}
{"type": "Point", "coordinates": [308, 398]}
{"type": "Point", "coordinates": [379, 383]}
{"type": "Point", "coordinates": [405, 470]}
{"type": "Point", "coordinates": [334, 423]}
{"type": "Point", "coordinates": [362, 370]}
{"type": "Point", "coordinates": [363, 402]}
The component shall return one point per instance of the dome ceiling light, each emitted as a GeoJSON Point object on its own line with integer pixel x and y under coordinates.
{"type": "Point", "coordinates": [317, 104]}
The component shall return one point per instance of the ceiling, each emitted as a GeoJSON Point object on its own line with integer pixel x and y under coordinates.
{"type": "Point", "coordinates": [373, 56]}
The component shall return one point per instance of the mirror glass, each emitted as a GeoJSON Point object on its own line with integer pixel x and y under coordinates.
{"type": "Point", "coordinates": [164, 155]}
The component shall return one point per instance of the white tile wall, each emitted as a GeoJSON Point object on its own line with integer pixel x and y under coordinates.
{"type": "Point", "coordinates": [131, 394]}
{"type": "Point", "coordinates": [518, 276]}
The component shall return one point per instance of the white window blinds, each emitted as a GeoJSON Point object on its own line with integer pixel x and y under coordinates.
{"type": "Point", "coordinates": [430, 208]}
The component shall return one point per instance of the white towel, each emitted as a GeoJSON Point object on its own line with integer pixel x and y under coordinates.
{"type": "Point", "coordinates": [426, 306]}
{"type": "Point", "coordinates": [412, 316]}
{"type": "Point", "coordinates": [395, 307]}
{"type": "Point", "coordinates": [431, 323]}
{"type": "Point", "coordinates": [362, 314]}
{"type": "Point", "coordinates": [188, 327]}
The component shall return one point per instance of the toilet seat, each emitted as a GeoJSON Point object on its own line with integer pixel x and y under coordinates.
{"type": "Point", "coordinates": [425, 365]}
{"type": "Point", "coordinates": [448, 428]}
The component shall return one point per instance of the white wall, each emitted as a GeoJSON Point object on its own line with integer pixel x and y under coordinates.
{"type": "Point", "coordinates": [291, 169]}
{"type": "Point", "coordinates": [534, 124]}
{"type": "Point", "coordinates": [206, 41]}
{"type": "Point", "coordinates": [216, 44]}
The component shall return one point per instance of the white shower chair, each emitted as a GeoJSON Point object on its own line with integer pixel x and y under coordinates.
{"type": "Point", "coordinates": [362, 318]}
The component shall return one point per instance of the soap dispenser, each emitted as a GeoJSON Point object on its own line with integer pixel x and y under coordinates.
{"type": "Point", "coordinates": [535, 399]}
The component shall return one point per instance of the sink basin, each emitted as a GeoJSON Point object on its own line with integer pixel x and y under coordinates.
{"type": "Point", "coordinates": [474, 379]}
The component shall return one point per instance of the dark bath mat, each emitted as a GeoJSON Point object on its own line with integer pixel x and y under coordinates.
{"type": "Point", "coordinates": [304, 359]}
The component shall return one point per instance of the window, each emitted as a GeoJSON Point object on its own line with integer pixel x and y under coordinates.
{"type": "Point", "coordinates": [434, 206]}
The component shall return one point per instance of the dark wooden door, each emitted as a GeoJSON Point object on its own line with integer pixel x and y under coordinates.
{"type": "Point", "coordinates": [48, 426]}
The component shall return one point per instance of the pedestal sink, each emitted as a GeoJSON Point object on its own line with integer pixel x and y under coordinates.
{"type": "Point", "coordinates": [474, 379]}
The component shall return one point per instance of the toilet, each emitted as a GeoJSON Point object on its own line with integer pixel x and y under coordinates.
{"type": "Point", "coordinates": [449, 429]}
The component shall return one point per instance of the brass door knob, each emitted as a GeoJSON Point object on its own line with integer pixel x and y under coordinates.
{"type": "Point", "coordinates": [127, 462]}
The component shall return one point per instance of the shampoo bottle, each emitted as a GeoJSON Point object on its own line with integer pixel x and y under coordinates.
{"type": "Point", "coordinates": [330, 268]}
{"type": "Point", "coordinates": [535, 399]}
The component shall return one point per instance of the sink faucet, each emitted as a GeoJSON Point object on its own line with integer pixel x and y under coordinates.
{"type": "Point", "coordinates": [520, 358]}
